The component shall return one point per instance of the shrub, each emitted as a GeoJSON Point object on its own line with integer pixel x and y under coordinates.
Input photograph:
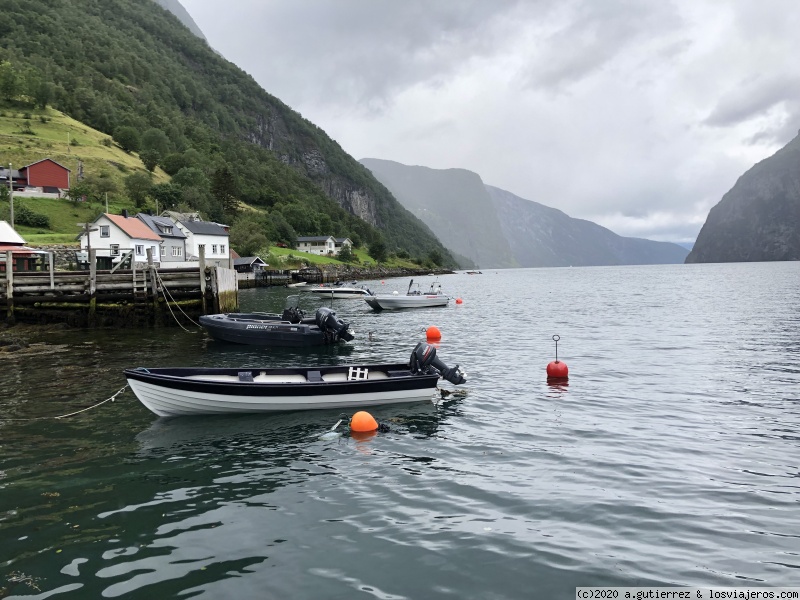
{"type": "Point", "coordinates": [25, 216]}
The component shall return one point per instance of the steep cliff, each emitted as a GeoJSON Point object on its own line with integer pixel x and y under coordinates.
{"type": "Point", "coordinates": [455, 205]}
{"type": "Point", "coordinates": [541, 236]}
{"type": "Point", "coordinates": [759, 218]}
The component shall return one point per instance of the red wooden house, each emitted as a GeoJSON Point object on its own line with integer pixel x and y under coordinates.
{"type": "Point", "coordinates": [45, 173]}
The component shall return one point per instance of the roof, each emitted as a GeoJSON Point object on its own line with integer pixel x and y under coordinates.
{"type": "Point", "coordinates": [8, 236]}
{"type": "Point", "coordinates": [342, 240]}
{"type": "Point", "coordinates": [19, 250]}
{"type": "Point", "coordinates": [133, 227]}
{"type": "Point", "coordinates": [248, 260]}
{"type": "Point", "coordinates": [44, 159]}
{"type": "Point", "coordinates": [203, 228]}
{"type": "Point", "coordinates": [314, 238]}
{"type": "Point", "coordinates": [234, 253]}
{"type": "Point", "coordinates": [159, 225]}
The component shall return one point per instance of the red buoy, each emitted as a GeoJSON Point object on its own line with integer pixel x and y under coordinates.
{"type": "Point", "coordinates": [459, 301]}
{"type": "Point", "coordinates": [433, 333]}
{"type": "Point", "coordinates": [557, 370]}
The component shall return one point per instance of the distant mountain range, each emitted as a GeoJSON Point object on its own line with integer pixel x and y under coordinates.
{"type": "Point", "coordinates": [493, 228]}
{"type": "Point", "coordinates": [759, 218]}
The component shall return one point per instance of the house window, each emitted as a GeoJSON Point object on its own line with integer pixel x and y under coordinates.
{"type": "Point", "coordinates": [222, 249]}
{"type": "Point", "coordinates": [213, 249]}
{"type": "Point", "coordinates": [177, 251]}
{"type": "Point", "coordinates": [114, 249]}
{"type": "Point", "coordinates": [104, 231]}
{"type": "Point", "coordinates": [167, 230]}
{"type": "Point", "coordinates": [139, 250]}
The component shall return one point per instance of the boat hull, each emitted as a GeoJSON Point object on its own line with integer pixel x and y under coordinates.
{"type": "Point", "coordinates": [263, 333]}
{"type": "Point", "coordinates": [338, 293]}
{"type": "Point", "coordinates": [176, 392]}
{"type": "Point", "coordinates": [392, 302]}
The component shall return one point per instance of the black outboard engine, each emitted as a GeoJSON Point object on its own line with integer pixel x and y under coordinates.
{"type": "Point", "coordinates": [423, 360]}
{"type": "Point", "coordinates": [331, 326]}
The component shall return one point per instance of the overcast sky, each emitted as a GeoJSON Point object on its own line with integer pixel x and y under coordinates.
{"type": "Point", "coordinates": [635, 114]}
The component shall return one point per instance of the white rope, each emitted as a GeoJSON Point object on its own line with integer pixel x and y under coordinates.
{"type": "Point", "coordinates": [110, 399]}
{"type": "Point", "coordinates": [171, 297]}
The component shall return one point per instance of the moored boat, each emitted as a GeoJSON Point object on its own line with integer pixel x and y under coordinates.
{"type": "Point", "coordinates": [194, 391]}
{"type": "Point", "coordinates": [290, 328]}
{"type": "Point", "coordinates": [414, 298]}
{"type": "Point", "coordinates": [339, 290]}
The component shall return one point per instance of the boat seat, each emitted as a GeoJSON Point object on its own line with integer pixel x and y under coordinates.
{"type": "Point", "coordinates": [245, 376]}
{"type": "Point", "coordinates": [314, 376]}
{"type": "Point", "coordinates": [398, 373]}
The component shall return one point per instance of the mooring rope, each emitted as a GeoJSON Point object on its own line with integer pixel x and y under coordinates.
{"type": "Point", "coordinates": [171, 297]}
{"type": "Point", "coordinates": [109, 399]}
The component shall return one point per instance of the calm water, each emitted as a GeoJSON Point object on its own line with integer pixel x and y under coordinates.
{"type": "Point", "coordinates": [671, 458]}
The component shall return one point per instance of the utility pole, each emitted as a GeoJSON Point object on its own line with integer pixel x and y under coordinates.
{"type": "Point", "coordinates": [11, 193]}
{"type": "Point", "coordinates": [106, 202]}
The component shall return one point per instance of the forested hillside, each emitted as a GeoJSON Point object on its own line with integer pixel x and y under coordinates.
{"type": "Point", "coordinates": [130, 69]}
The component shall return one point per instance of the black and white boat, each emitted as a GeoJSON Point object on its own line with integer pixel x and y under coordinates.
{"type": "Point", "coordinates": [339, 290]}
{"type": "Point", "coordinates": [291, 328]}
{"type": "Point", "coordinates": [194, 391]}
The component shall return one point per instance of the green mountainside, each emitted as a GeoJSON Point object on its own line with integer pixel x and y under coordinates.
{"type": "Point", "coordinates": [132, 71]}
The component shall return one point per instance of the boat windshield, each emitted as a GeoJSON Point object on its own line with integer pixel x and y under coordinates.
{"type": "Point", "coordinates": [292, 301]}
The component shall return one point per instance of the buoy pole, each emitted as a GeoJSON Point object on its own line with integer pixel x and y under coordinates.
{"type": "Point", "coordinates": [557, 370]}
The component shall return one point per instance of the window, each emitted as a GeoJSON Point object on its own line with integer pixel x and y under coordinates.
{"type": "Point", "coordinates": [114, 249]}
{"type": "Point", "coordinates": [167, 230]}
{"type": "Point", "coordinates": [222, 249]}
{"type": "Point", "coordinates": [177, 251]}
{"type": "Point", "coordinates": [104, 231]}
{"type": "Point", "coordinates": [139, 250]}
{"type": "Point", "coordinates": [213, 248]}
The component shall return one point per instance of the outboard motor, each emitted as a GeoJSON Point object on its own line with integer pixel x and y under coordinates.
{"type": "Point", "coordinates": [330, 325]}
{"type": "Point", "coordinates": [423, 360]}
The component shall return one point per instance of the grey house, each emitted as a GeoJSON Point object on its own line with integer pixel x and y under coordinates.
{"type": "Point", "coordinates": [173, 248]}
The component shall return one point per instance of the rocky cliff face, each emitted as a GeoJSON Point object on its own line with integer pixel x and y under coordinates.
{"type": "Point", "coordinates": [759, 218]}
{"type": "Point", "coordinates": [541, 236]}
{"type": "Point", "coordinates": [454, 204]}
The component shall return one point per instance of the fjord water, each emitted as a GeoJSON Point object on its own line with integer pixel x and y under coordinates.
{"type": "Point", "coordinates": [671, 458]}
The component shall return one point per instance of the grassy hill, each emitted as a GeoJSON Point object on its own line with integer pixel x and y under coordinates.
{"type": "Point", "coordinates": [131, 71]}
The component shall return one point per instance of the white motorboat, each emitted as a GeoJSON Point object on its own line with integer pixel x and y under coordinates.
{"type": "Point", "coordinates": [193, 391]}
{"type": "Point", "coordinates": [413, 298]}
{"type": "Point", "coordinates": [339, 290]}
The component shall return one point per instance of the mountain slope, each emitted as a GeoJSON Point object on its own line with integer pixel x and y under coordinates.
{"type": "Point", "coordinates": [541, 236]}
{"type": "Point", "coordinates": [759, 218]}
{"type": "Point", "coordinates": [177, 9]}
{"type": "Point", "coordinates": [454, 204]}
{"type": "Point", "coordinates": [129, 63]}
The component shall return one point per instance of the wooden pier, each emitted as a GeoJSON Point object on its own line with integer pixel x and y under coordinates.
{"type": "Point", "coordinates": [143, 295]}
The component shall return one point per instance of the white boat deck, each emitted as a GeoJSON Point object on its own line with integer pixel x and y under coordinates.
{"type": "Point", "coordinates": [294, 377]}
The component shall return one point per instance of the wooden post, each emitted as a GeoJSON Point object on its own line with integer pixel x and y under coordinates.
{"type": "Point", "coordinates": [153, 287]}
{"type": "Point", "coordinates": [52, 274]}
{"type": "Point", "coordinates": [92, 286]}
{"type": "Point", "coordinates": [10, 285]}
{"type": "Point", "coordinates": [203, 277]}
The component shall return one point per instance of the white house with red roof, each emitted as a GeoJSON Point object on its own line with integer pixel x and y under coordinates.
{"type": "Point", "coordinates": [114, 235]}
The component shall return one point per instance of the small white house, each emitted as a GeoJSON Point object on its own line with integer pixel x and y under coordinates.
{"type": "Point", "coordinates": [341, 243]}
{"type": "Point", "coordinates": [317, 244]}
{"type": "Point", "coordinates": [209, 235]}
{"type": "Point", "coordinates": [114, 235]}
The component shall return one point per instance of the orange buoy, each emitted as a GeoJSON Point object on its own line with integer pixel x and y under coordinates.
{"type": "Point", "coordinates": [363, 421]}
{"type": "Point", "coordinates": [382, 282]}
{"type": "Point", "coordinates": [459, 301]}
{"type": "Point", "coordinates": [433, 333]}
